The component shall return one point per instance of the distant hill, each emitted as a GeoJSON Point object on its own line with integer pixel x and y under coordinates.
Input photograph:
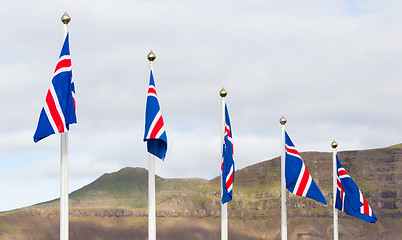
{"type": "Point", "coordinates": [115, 205]}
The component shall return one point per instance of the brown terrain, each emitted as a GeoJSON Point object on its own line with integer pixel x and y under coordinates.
{"type": "Point", "coordinates": [115, 205]}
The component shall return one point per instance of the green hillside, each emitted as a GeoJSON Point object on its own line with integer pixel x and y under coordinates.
{"type": "Point", "coordinates": [116, 203]}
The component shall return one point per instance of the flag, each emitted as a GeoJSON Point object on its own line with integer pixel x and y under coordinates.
{"type": "Point", "coordinates": [59, 108]}
{"type": "Point", "coordinates": [349, 198]}
{"type": "Point", "coordinates": [228, 168]}
{"type": "Point", "coordinates": [155, 134]}
{"type": "Point", "coordinates": [298, 179]}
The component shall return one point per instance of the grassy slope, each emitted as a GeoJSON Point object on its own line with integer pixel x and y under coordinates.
{"type": "Point", "coordinates": [256, 204]}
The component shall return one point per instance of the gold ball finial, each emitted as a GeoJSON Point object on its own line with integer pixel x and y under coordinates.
{"type": "Point", "coordinates": [65, 19]}
{"type": "Point", "coordinates": [223, 93]}
{"type": "Point", "coordinates": [283, 120]}
{"type": "Point", "coordinates": [151, 56]}
{"type": "Point", "coordinates": [334, 144]}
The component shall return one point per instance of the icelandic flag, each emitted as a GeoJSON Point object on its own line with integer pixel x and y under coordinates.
{"type": "Point", "coordinates": [349, 198]}
{"type": "Point", "coordinates": [59, 108]}
{"type": "Point", "coordinates": [228, 168]}
{"type": "Point", "coordinates": [298, 179]}
{"type": "Point", "coordinates": [155, 134]}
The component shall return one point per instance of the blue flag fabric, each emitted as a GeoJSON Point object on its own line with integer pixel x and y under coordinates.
{"type": "Point", "coordinates": [298, 179]}
{"type": "Point", "coordinates": [349, 198]}
{"type": "Point", "coordinates": [155, 134]}
{"type": "Point", "coordinates": [228, 167]}
{"type": "Point", "coordinates": [59, 108]}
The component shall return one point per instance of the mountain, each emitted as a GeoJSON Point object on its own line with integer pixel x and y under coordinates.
{"type": "Point", "coordinates": [115, 205]}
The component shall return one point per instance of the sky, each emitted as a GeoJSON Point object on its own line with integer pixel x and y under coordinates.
{"type": "Point", "coordinates": [332, 68]}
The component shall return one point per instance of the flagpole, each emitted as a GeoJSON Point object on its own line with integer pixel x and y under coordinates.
{"type": "Point", "coordinates": [284, 230]}
{"type": "Point", "coordinates": [334, 145]}
{"type": "Point", "coordinates": [224, 207]}
{"type": "Point", "coordinates": [151, 180]}
{"type": "Point", "coordinates": [64, 187]}
{"type": "Point", "coordinates": [64, 162]}
{"type": "Point", "coordinates": [151, 198]}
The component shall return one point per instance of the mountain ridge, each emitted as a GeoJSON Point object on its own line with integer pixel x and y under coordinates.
{"type": "Point", "coordinates": [122, 197]}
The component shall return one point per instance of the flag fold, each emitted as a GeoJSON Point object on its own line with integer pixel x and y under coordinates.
{"type": "Point", "coordinates": [155, 134]}
{"type": "Point", "coordinates": [298, 178]}
{"type": "Point", "coordinates": [228, 167]}
{"type": "Point", "coordinates": [59, 108]}
{"type": "Point", "coordinates": [349, 198]}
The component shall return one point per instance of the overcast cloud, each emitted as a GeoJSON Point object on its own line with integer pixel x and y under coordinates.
{"type": "Point", "coordinates": [332, 68]}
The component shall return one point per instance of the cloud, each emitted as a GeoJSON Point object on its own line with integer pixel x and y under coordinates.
{"type": "Point", "coordinates": [331, 68]}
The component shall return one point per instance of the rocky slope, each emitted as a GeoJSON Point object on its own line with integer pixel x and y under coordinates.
{"type": "Point", "coordinates": [114, 206]}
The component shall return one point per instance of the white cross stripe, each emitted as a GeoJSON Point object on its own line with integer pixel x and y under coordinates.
{"type": "Point", "coordinates": [342, 196]}
{"type": "Point", "coordinates": [156, 118]}
{"type": "Point", "coordinates": [228, 177]}
{"type": "Point", "coordinates": [63, 69]}
{"type": "Point", "coordinates": [361, 200]}
{"type": "Point", "coordinates": [292, 154]}
{"type": "Point", "coordinates": [161, 131]}
{"type": "Point", "coordinates": [343, 175]}
{"type": "Point", "coordinates": [362, 207]}
{"type": "Point", "coordinates": [49, 117]}
{"type": "Point", "coordinates": [343, 202]}
{"type": "Point", "coordinates": [151, 94]}
{"type": "Point", "coordinates": [227, 129]}
{"type": "Point", "coordinates": [299, 179]}
{"type": "Point", "coordinates": [305, 190]}
{"type": "Point", "coordinates": [58, 108]}
{"type": "Point", "coordinates": [230, 188]}
{"type": "Point", "coordinates": [307, 185]}
{"type": "Point", "coordinates": [64, 57]}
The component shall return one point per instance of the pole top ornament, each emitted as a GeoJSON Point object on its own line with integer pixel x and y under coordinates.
{"type": "Point", "coordinates": [223, 93]}
{"type": "Point", "coordinates": [334, 144]}
{"type": "Point", "coordinates": [65, 19]}
{"type": "Point", "coordinates": [283, 120]}
{"type": "Point", "coordinates": [151, 56]}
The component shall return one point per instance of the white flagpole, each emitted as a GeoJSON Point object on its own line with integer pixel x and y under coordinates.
{"type": "Point", "coordinates": [151, 181]}
{"type": "Point", "coordinates": [334, 145]}
{"type": "Point", "coordinates": [64, 163]}
{"type": "Point", "coordinates": [284, 231]}
{"type": "Point", "coordinates": [224, 207]}
{"type": "Point", "coordinates": [64, 187]}
{"type": "Point", "coordinates": [151, 199]}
